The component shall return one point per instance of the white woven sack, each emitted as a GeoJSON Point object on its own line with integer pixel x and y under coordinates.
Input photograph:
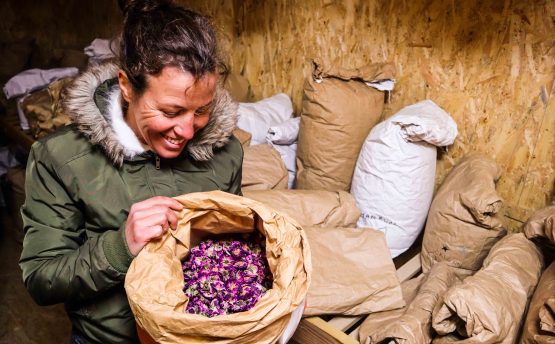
{"type": "Point", "coordinates": [284, 139]}
{"type": "Point", "coordinates": [393, 182]}
{"type": "Point", "coordinates": [257, 118]}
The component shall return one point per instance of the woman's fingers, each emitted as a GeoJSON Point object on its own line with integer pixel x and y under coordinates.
{"type": "Point", "coordinates": [150, 219]}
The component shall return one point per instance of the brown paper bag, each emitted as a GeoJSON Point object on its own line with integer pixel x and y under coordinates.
{"type": "Point", "coordinates": [464, 220]}
{"type": "Point", "coordinates": [311, 207]}
{"type": "Point", "coordinates": [541, 226]}
{"type": "Point", "coordinates": [338, 111]}
{"type": "Point", "coordinates": [536, 329]}
{"type": "Point", "coordinates": [244, 137]}
{"type": "Point", "coordinates": [353, 272]}
{"type": "Point", "coordinates": [414, 325]}
{"type": "Point", "coordinates": [488, 307]}
{"type": "Point", "coordinates": [263, 169]}
{"type": "Point", "coordinates": [154, 281]}
{"type": "Point", "coordinates": [376, 321]}
{"type": "Point", "coordinates": [43, 108]}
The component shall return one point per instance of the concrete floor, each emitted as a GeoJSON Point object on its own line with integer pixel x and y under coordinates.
{"type": "Point", "coordinates": [21, 320]}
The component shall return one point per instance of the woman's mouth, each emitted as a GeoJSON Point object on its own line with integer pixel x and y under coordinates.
{"type": "Point", "coordinates": [172, 140]}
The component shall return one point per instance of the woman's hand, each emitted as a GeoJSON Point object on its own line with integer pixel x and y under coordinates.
{"type": "Point", "coordinates": [148, 220]}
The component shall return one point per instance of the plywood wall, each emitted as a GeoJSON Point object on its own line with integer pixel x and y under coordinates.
{"type": "Point", "coordinates": [490, 64]}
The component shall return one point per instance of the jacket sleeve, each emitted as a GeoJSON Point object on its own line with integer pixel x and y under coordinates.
{"type": "Point", "coordinates": [59, 262]}
{"type": "Point", "coordinates": [237, 152]}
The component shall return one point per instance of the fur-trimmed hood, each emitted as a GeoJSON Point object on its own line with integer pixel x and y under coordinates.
{"type": "Point", "coordinates": [108, 129]}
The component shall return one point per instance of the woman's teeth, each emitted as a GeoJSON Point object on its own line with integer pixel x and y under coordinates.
{"type": "Point", "coordinates": [172, 140]}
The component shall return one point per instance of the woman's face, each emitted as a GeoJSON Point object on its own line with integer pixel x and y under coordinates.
{"type": "Point", "coordinates": [171, 110]}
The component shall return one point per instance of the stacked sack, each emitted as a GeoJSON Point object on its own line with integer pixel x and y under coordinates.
{"type": "Point", "coordinates": [269, 159]}
{"type": "Point", "coordinates": [339, 108]}
{"type": "Point", "coordinates": [394, 178]}
{"type": "Point", "coordinates": [466, 204]}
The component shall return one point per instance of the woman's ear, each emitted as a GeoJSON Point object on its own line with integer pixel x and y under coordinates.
{"type": "Point", "coordinates": [125, 86]}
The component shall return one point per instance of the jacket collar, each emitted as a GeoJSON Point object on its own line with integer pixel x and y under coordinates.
{"type": "Point", "coordinates": [94, 105]}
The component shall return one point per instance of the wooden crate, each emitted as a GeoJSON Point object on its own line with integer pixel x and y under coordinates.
{"type": "Point", "coordinates": [344, 329]}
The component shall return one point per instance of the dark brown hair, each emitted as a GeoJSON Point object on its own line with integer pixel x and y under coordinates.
{"type": "Point", "coordinates": [157, 33]}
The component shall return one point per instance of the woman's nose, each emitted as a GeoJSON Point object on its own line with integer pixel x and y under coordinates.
{"type": "Point", "coordinates": [184, 126]}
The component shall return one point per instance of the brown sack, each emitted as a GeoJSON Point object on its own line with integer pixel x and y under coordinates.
{"type": "Point", "coordinates": [338, 111]}
{"type": "Point", "coordinates": [263, 169]}
{"type": "Point", "coordinates": [353, 272]}
{"type": "Point", "coordinates": [154, 281]}
{"type": "Point", "coordinates": [464, 221]}
{"type": "Point", "coordinates": [488, 307]}
{"type": "Point", "coordinates": [414, 326]}
{"type": "Point", "coordinates": [538, 330]}
{"type": "Point", "coordinates": [547, 316]}
{"type": "Point", "coordinates": [244, 137]}
{"type": "Point", "coordinates": [312, 207]}
{"type": "Point", "coordinates": [378, 320]}
{"type": "Point", "coordinates": [540, 226]}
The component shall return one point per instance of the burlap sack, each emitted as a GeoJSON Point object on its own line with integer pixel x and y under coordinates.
{"type": "Point", "coordinates": [43, 109]}
{"type": "Point", "coordinates": [311, 207]}
{"type": "Point", "coordinates": [414, 325]}
{"type": "Point", "coordinates": [541, 226]}
{"type": "Point", "coordinates": [243, 137]}
{"type": "Point", "coordinates": [154, 281]}
{"type": "Point", "coordinates": [353, 272]}
{"type": "Point", "coordinates": [338, 111]}
{"type": "Point", "coordinates": [488, 307]}
{"type": "Point", "coordinates": [464, 221]}
{"type": "Point", "coordinates": [537, 330]}
{"type": "Point", "coordinates": [263, 169]}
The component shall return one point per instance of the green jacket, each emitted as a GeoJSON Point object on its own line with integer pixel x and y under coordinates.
{"type": "Point", "coordinates": [80, 184]}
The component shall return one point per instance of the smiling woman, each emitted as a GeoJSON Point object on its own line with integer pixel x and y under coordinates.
{"type": "Point", "coordinates": [153, 126]}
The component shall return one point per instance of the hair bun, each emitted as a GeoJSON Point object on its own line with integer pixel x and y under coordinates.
{"type": "Point", "coordinates": [141, 6]}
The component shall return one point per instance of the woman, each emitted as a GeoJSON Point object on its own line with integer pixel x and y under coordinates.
{"type": "Point", "coordinates": [156, 126]}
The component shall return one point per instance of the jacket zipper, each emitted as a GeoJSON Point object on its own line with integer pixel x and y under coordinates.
{"type": "Point", "coordinates": [157, 161]}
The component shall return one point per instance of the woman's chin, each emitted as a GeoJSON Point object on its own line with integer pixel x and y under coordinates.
{"type": "Point", "coordinates": [168, 153]}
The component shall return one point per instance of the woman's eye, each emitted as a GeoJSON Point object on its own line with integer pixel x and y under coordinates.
{"type": "Point", "coordinates": [202, 111]}
{"type": "Point", "coordinates": [170, 114]}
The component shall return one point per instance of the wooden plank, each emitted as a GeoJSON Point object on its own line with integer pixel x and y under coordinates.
{"type": "Point", "coordinates": [315, 330]}
{"type": "Point", "coordinates": [409, 269]}
{"type": "Point", "coordinates": [343, 323]}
